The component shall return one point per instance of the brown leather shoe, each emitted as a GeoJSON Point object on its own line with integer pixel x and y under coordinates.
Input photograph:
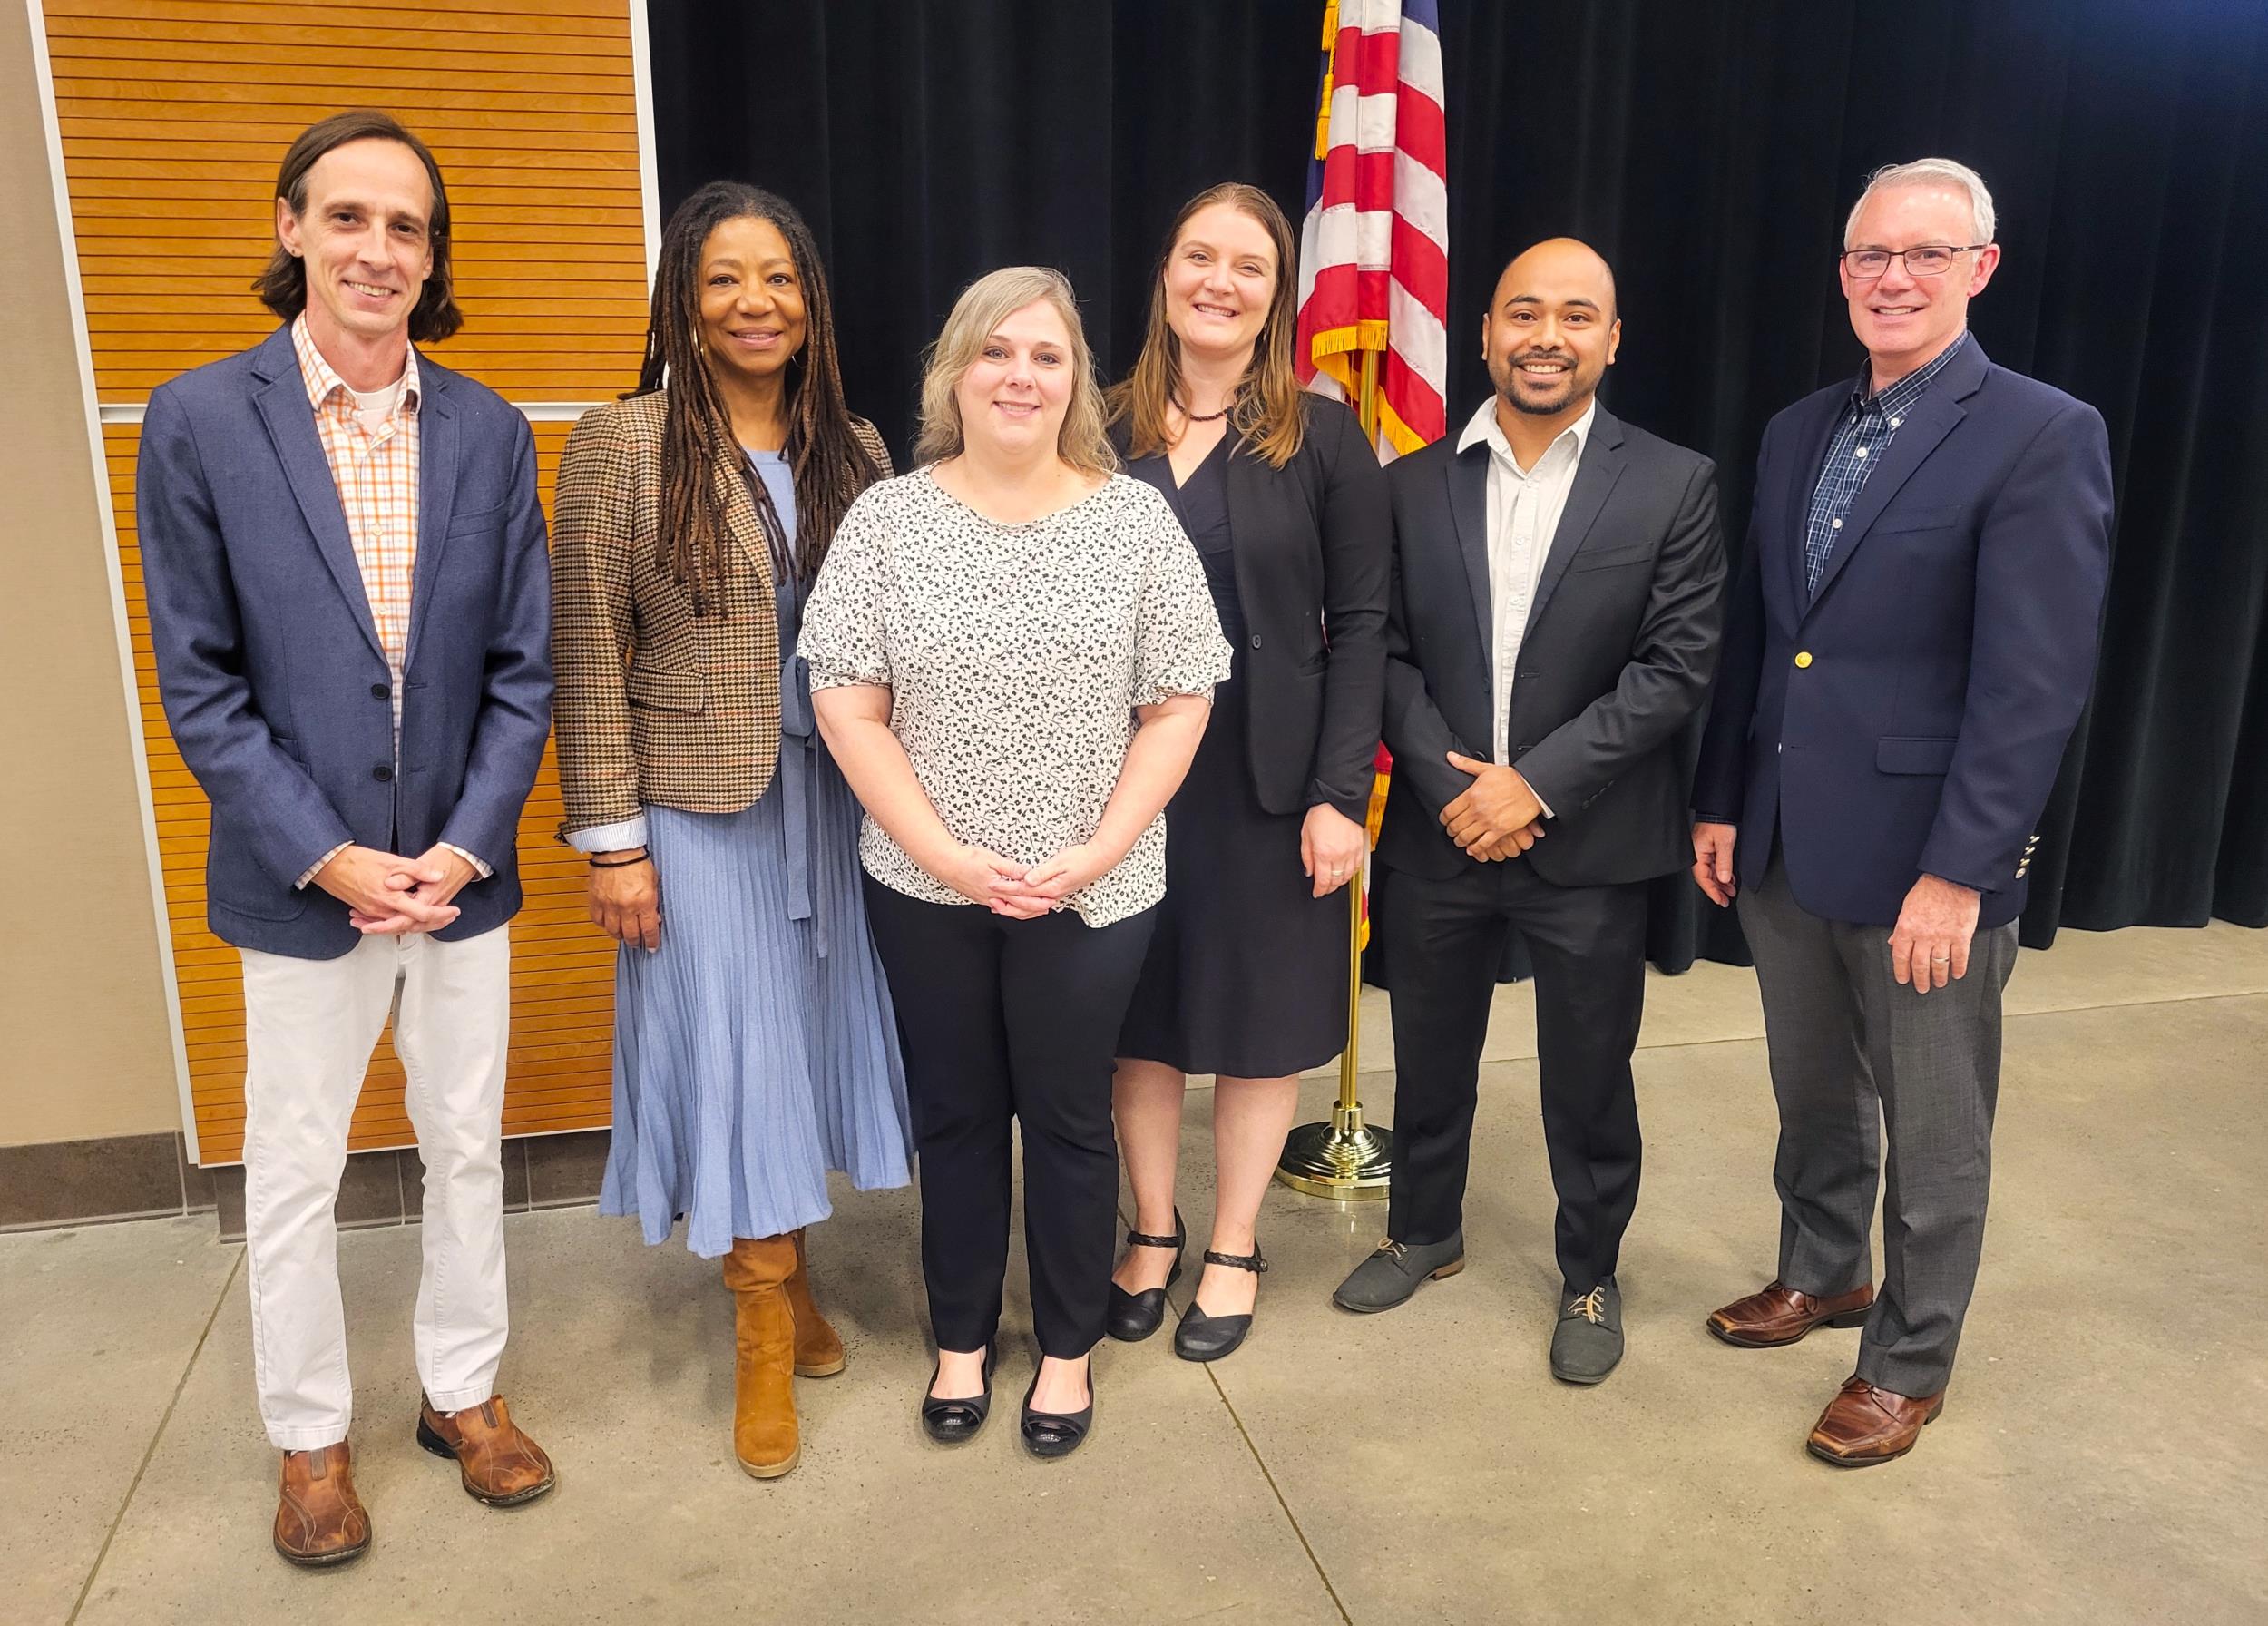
{"type": "Point", "coordinates": [319, 1520]}
{"type": "Point", "coordinates": [818, 1349]}
{"type": "Point", "coordinates": [1863, 1424]}
{"type": "Point", "coordinates": [498, 1464]}
{"type": "Point", "coordinates": [1779, 1315]}
{"type": "Point", "coordinates": [765, 1438]}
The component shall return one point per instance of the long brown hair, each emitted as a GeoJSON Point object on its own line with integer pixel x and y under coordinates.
{"type": "Point", "coordinates": [1267, 411]}
{"type": "Point", "coordinates": [283, 285]}
{"type": "Point", "coordinates": [830, 465]}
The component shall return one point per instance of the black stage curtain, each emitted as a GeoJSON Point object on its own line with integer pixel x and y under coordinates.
{"type": "Point", "coordinates": [1710, 151]}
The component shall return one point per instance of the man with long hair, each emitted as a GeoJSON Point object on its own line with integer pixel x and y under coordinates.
{"type": "Point", "coordinates": [349, 605]}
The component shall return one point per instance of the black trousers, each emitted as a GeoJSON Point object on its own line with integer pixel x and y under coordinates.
{"type": "Point", "coordinates": [1006, 1019]}
{"type": "Point", "coordinates": [1444, 940]}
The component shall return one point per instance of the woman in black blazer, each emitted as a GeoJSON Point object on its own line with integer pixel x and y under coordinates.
{"type": "Point", "coordinates": [1246, 971]}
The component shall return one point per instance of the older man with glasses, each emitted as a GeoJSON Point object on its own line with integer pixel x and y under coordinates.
{"type": "Point", "coordinates": [1907, 652]}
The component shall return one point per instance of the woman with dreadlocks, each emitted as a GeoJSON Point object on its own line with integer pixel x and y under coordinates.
{"type": "Point", "coordinates": [754, 1046]}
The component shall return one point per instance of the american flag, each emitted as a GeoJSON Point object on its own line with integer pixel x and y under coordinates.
{"type": "Point", "coordinates": [1374, 250]}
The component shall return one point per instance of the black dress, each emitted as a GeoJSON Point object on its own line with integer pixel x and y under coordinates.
{"type": "Point", "coordinates": [1247, 974]}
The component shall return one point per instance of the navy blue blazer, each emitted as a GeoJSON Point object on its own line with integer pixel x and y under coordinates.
{"type": "Point", "coordinates": [268, 662]}
{"type": "Point", "coordinates": [1908, 717]}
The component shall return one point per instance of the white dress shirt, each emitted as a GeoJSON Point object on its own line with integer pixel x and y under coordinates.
{"type": "Point", "coordinates": [1524, 509]}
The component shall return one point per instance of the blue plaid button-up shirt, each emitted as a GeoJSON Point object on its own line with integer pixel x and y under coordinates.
{"type": "Point", "coordinates": [1863, 434]}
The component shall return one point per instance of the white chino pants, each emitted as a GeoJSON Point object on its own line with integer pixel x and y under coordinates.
{"type": "Point", "coordinates": [310, 1027]}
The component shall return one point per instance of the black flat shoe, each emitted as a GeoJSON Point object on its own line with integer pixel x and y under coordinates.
{"type": "Point", "coordinates": [1133, 1317]}
{"type": "Point", "coordinates": [1051, 1434]}
{"type": "Point", "coordinates": [1203, 1337]}
{"type": "Point", "coordinates": [956, 1422]}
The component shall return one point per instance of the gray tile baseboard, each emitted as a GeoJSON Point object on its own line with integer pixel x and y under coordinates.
{"type": "Point", "coordinates": [87, 1182]}
{"type": "Point", "coordinates": [142, 1176]}
{"type": "Point", "coordinates": [387, 1188]}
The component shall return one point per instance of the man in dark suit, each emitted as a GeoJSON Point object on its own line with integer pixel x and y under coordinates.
{"type": "Point", "coordinates": [1910, 643]}
{"type": "Point", "coordinates": [349, 602]}
{"type": "Point", "coordinates": [1553, 626]}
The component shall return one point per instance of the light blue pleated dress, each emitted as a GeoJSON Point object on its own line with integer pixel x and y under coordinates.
{"type": "Point", "coordinates": [756, 1049]}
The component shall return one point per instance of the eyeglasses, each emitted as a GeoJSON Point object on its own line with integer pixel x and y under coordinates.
{"type": "Point", "coordinates": [1931, 260]}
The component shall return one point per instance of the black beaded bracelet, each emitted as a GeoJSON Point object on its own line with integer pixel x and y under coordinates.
{"type": "Point", "coordinates": [621, 863]}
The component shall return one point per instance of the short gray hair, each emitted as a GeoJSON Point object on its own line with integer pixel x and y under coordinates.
{"type": "Point", "coordinates": [1948, 172]}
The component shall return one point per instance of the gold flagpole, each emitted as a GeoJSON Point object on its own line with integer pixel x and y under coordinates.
{"type": "Point", "coordinates": [1345, 1159]}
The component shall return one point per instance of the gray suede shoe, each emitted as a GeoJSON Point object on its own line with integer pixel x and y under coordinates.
{"type": "Point", "coordinates": [1588, 1342]}
{"type": "Point", "coordinates": [1391, 1275]}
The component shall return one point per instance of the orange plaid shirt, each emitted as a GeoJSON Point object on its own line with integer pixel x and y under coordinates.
{"type": "Point", "coordinates": [376, 478]}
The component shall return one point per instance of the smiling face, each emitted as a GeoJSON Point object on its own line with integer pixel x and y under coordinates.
{"type": "Point", "coordinates": [1906, 321]}
{"type": "Point", "coordinates": [1551, 332]}
{"type": "Point", "coordinates": [1220, 277]}
{"type": "Point", "coordinates": [752, 315]}
{"type": "Point", "coordinates": [365, 239]}
{"type": "Point", "coordinates": [1015, 392]}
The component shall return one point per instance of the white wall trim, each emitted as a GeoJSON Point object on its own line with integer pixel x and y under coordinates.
{"type": "Point", "coordinates": [649, 173]}
{"type": "Point", "coordinates": [129, 682]}
{"type": "Point", "coordinates": [554, 412]}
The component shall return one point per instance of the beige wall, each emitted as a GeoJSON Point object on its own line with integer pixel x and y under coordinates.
{"type": "Point", "coordinates": [85, 1040]}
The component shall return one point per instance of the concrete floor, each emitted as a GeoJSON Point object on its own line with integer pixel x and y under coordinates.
{"type": "Point", "coordinates": [2101, 1459]}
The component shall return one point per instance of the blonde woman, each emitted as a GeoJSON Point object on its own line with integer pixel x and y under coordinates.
{"type": "Point", "coordinates": [1247, 974]}
{"type": "Point", "coordinates": [1013, 654]}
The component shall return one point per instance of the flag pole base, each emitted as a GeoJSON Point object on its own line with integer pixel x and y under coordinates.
{"type": "Point", "coordinates": [1345, 1159]}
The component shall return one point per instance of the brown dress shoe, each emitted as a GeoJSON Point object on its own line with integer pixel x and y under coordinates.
{"type": "Point", "coordinates": [1779, 1315]}
{"type": "Point", "coordinates": [818, 1350]}
{"type": "Point", "coordinates": [1863, 1424]}
{"type": "Point", "coordinates": [319, 1520]}
{"type": "Point", "coordinates": [498, 1464]}
{"type": "Point", "coordinates": [765, 1436]}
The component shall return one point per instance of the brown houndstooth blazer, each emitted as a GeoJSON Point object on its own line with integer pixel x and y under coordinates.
{"type": "Point", "coordinates": [655, 705]}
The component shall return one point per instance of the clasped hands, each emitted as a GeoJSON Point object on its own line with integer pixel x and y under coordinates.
{"type": "Point", "coordinates": [1331, 845]}
{"type": "Point", "coordinates": [1498, 815]}
{"type": "Point", "coordinates": [1021, 891]}
{"type": "Point", "coordinates": [387, 895]}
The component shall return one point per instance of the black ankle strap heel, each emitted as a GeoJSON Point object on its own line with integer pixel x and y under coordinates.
{"type": "Point", "coordinates": [1132, 1316]}
{"type": "Point", "coordinates": [1203, 1337]}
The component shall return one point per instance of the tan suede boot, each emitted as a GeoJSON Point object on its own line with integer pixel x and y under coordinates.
{"type": "Point", "coordinates": [763, 1432]}
{"type": "Point", "coordinates": [818, 1350]}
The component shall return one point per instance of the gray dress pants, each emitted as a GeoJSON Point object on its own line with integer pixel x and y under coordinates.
{"type": "Point", "coordinates": [1858, 1061]}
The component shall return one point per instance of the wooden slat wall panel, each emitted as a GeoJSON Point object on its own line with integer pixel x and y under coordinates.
{"type": "Point", "coordinates": [174, 114]}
